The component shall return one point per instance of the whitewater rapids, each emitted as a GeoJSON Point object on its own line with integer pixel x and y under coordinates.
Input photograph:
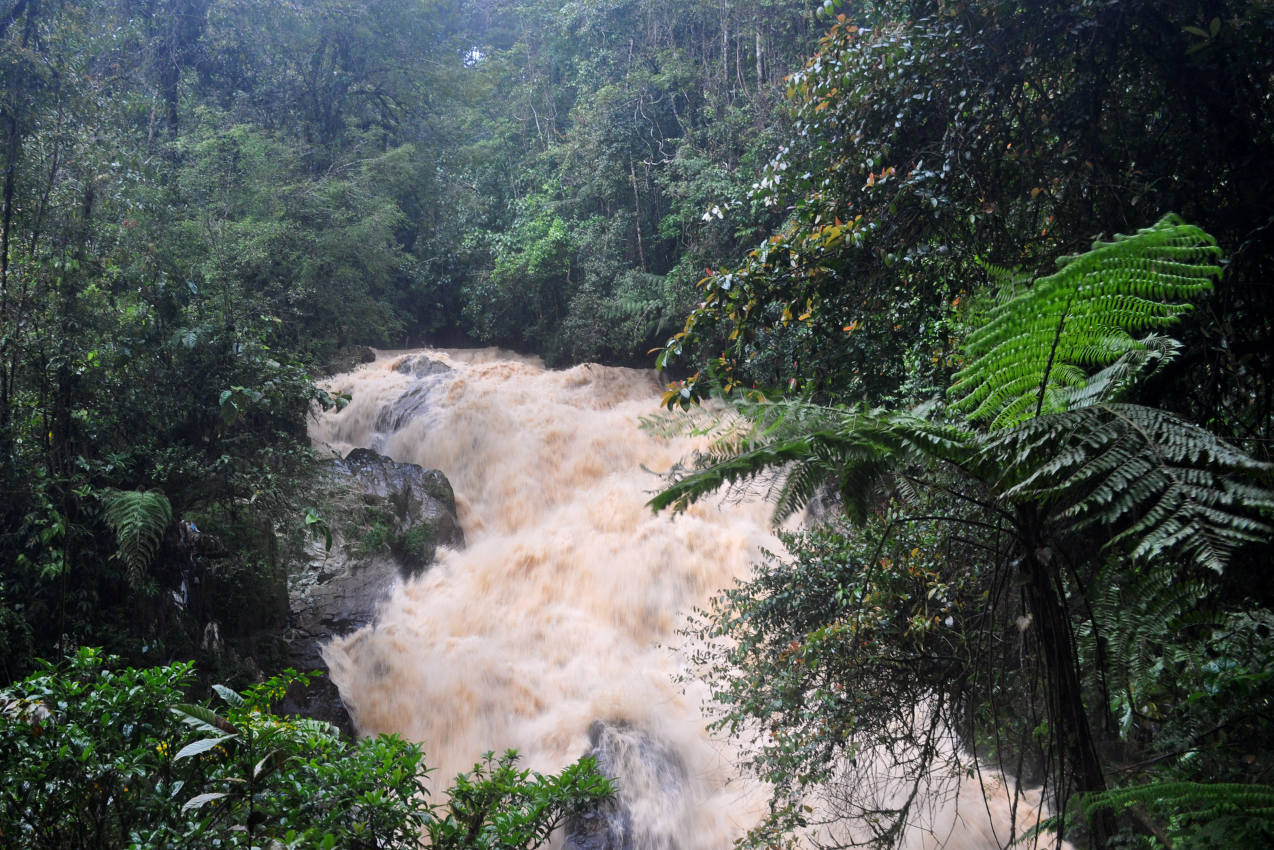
{"type": "Point", "coordinates": [564, 607]}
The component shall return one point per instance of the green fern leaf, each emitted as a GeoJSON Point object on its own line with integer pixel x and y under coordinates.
{"type": "Point", "coordinates": [802, 446]}
{"type": "Point", "coordinates": [1199, 799]}
{"type": "Point", "coordinates": [1159, 482]}
{"type": "Point", "coordinates": [1035, 351]}
{"type": "Point", "coordinates": [139, 519]}
{"type": "Point", "coordinates": [1136, 614]}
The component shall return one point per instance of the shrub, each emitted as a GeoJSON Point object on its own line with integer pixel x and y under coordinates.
{"type": "Point", "coordinates": [97, 757]}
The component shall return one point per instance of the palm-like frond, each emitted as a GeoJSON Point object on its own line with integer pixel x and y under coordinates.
{"type": "Point", "coordinates": [1110, 383]}
{"type": "Point", "coordinates": [1136, 614]}
{"type": "Point", "coordinates": [1160, 483]}
{"type": "Point", "coordinates": [1035, 350]}
{"type": "Point", "coordinates": [1043, 373]}
{"type": "Point", "coordinates": [138, 518]}
{"type": "Point", "coordinates": [807, 446]}
{"type": "Point", "coordinates": [1189, 807]}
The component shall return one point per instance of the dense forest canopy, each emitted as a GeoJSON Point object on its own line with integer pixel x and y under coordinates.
{"type": "Point", "coordinates": [205, 202]}
{"type": "Point", "coordinates": [814, 210]}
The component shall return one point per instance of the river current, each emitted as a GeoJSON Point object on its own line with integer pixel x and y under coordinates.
{"type": "Point", "coordinates": [564, 607]}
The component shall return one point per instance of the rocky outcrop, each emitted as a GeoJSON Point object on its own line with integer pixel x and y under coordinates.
{"type": "Point", "coordinates": [421, 366]}
{"type": "Point", "coordinates": [430, 375]}
{"type": "Point", "coordinates": [387, 520]}
{"type": "Point", "coordinates": [648, 811]}
{"type": "Point", "coordinates": [418, 505]}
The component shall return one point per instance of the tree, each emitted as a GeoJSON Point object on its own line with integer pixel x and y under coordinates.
{"type": "Point", "coordinates": [604, 116]}
{"type": "Point", "coordinates": [931, 136]}
{"type": "Point", "coordinates": [1042, 458]}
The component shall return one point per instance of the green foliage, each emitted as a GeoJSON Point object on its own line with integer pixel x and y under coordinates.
{"type": "Point", "coordinates": [1189, 709]}
{"type": "Point", "coordinates": [1197, 814]}
{"type": "Point", "coordinates": [587, 167]}
{"type": "Point", "coordinates": [524, 296]}
{"type": "Point", "coordinates": [1148, 477]}
{"type": "Point", "coordinates": [1047, 487]}
{"type": "Point", "coordinates": [498, 807]}
{"type": "Point", "coordinates": [375, 531]}
{"type": "Point", "coordinates": [803, 446]}
{"type": "Point", "coordinates": [927, 138]}
{"type": "Point", "coordinates": [84, 753]}
{"type": "Point", "coordinates": [1150, 480]}
{"type": "Point", "coordinates": [847, 661]}
{"type": "Point", "coordinates": [139, 520]}
{"type": "Point", "coordinates": [1030, 353]}
{"type": "Point", "coordinates": [203, 203]}
{"type": "Point", "coordinates": [259, 777]}
{"type": "Point", "coordinates": [316, 526]}
{"type": "Point", "coordinates": [99, 757]}
{"type": "Point", "coordinates": [418, 542]}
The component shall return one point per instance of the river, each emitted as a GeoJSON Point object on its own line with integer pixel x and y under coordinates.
{"type": "Point", "coordinates": [564, 607]}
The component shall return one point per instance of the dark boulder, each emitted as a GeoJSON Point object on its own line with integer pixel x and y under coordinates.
{"type": "Point", "coordinates": [416, 401]}
{"type": "Point", "coordinates": [387, 520]}
{"type": "Point", "coordinates": [421, 366]}
{"type": "Point", "coordinates": [417, 503]}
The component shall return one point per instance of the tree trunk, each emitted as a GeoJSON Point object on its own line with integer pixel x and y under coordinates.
{"type": "Point", "coordinates": [641, 253]}
{"type": "Point", "coordinates": [1081, 769]}
{"type": "Point", "coordinates": [760, 62]}
{"type": "Point", "coordinates": [12, 155]}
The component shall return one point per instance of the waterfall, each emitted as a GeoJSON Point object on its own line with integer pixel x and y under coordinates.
{"type": "Point", "coordinates": [561, 616]}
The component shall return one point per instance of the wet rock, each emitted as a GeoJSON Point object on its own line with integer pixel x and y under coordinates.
{"type": "Point", "coordinates": [416, 402]}
{"type": "Point", "coordinates": [648, 811]}
{"type": "Point", "coordinates": [387, 520]}
{"type": "Point", "coordinates": [418, 503]}
{"type": "Point", "coordinates": [421, 366]}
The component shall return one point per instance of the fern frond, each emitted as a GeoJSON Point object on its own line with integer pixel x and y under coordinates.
{"type": "Point", "coordinates": [1188, 810]}
{"type": "Point", "coordinates": [631, 305]}
{"type": "Point", "coordinates": [1136, 615]}
{"type": "Point", "coordinates": [806, 446]}
{"type": "Point", "coordinates": [1195, 798]}
{"type": "Point", "coordinates": [1109, 384]}
{"type": "Point", "coordinates": [138, 518]}
{"type": "Point", "coordinates": [639, 297]}
{"type": "Point", "coordinates": [1164, 484]}
{"type": "Point", "coordinates": [1035, 350]}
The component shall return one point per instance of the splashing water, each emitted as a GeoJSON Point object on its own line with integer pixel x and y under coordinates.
{"type": "Point", "coordinates": [563, 610]}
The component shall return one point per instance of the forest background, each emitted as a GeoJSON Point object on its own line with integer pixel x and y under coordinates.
{"type": "Point", "coordinates": [206, 204]}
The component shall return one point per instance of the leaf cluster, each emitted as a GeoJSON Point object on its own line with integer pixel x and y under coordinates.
{"type": "Point", "coordinates": [929, 138]}
{"type": "Point", "coordinates": [139, 520]}
{"type": "Point", "coordinates": [98, 756]}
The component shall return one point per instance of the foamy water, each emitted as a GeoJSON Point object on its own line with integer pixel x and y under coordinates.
{"type": "Point", "coordinates": [564, 607]}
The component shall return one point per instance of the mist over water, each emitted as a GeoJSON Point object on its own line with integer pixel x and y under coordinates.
{"type": "Point", "coordinates": [564, 607]}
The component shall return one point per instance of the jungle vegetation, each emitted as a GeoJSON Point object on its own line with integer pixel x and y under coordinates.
{"type": "Point", "coordinates": [878, 230]}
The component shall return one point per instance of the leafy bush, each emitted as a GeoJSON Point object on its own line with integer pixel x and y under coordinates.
{"type": "Point", "coordinates": [83, 751]}
{"type": "Point", "coordinates": [96, 757]}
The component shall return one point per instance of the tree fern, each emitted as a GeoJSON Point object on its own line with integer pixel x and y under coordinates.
{"type": "Point", "coordinates": [1035, 349]}
{"type": "Point", "coordinates": [1196, 814]}
{"type": "Point", "coordinates": [1047, 450]}
{"type": "Point", "coordinates": [1156, 482]}
{"type": "Point", "coordinates": [1252, 800]}
{"type": "Point", "coordinates": [139, 519]}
